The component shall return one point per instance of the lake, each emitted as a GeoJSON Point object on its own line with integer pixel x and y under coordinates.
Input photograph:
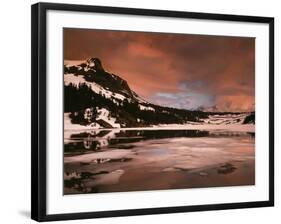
{"type": "Point", "coordinates": [119, 160]}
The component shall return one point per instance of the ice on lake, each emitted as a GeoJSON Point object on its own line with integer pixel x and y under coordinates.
{"type": "Point", "coordinates": [132, 160]}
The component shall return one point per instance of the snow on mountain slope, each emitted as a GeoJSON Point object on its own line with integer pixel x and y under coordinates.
{"type": "Point", "coordinates": [104, 115]}
{"type": "Point", "coordinates": [218, 119]}
{"type": "Point", "coordinates": [78, 79]}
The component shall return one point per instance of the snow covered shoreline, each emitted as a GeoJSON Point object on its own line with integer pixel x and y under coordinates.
{"type": "Point", "coordinates": [238, 127]}
{"type": "Point", "coordinates": [242, 128]}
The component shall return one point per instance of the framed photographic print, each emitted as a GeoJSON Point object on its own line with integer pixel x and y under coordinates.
{"type": "Point", "coordinates": [139, 111]}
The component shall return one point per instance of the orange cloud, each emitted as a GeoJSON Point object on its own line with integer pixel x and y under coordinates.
{"type": "Point", "coordinates": [173, 63]}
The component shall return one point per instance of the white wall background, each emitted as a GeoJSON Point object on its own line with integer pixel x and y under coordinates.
{"type": "Point", "coordinates": [15, 110]}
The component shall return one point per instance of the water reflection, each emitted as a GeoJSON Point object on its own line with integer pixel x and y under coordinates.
{"type": "Point", "coordinates": [119, 160]}
{"type": "Point", "coordinates": [95, 140]}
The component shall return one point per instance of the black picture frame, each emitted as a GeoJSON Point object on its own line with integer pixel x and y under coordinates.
{"type": "Point", "coordinates": [39, 115]}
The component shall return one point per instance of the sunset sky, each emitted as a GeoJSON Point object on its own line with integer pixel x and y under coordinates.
{"type": "Point", "coordinates": [176, 70]}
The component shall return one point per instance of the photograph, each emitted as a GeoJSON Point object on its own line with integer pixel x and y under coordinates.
{"type": "Point", "coordinates": [157, 111]}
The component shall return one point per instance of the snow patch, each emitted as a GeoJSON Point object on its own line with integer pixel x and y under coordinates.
{"type": "Point", "coordinates": [104, 114]}
{"type": "Point", "coordinates": [142, 107]}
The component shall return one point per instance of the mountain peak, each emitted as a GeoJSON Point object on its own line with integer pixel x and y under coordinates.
{"type": "Point", "coordinates": [95, 63]}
